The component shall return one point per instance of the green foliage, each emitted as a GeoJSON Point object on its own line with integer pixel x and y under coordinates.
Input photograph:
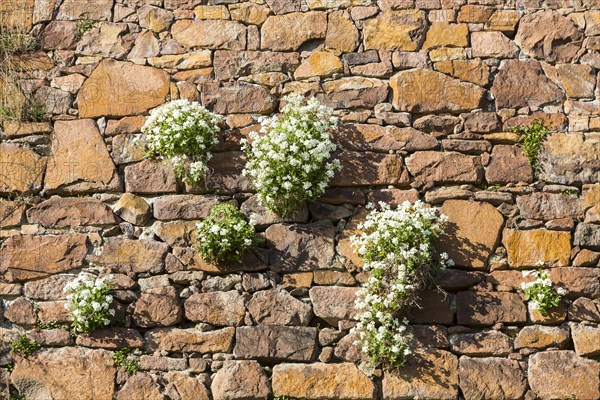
{"type": "Point", "coordinates": [183, 133]}
{"type": "Point", "coordinates": [397, 246]}
{"type": "Point", "coordinates": [89, 302]}
{"type": "Point", "coordinates": [127, 358]}
{"type": "Point", "coordinates": [540, 293]}
{"type": "Point", "coordinates": [569, 192]}
{"type": "Point", "coordinates": [24, 346]}
{"type": "Point", "coordinates": [531, 139]}
{"type": "Point", "coordinates": [51, 325]}
{"type": "Point", "coordinates": [224, 235]}
{"type": "Point", "coordinates": [290, 161]}
{"type": "Point", "coordinates": [82, 27]}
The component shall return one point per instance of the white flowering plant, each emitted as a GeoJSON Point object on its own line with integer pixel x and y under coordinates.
{"type": "Point", "coordinates": [224, 235]}
{"type": "Point", "coordinates": [183, 133]}
{"type": "Point", "coordinates": [289, 160]}
{"type": "Point", "coordinates": [541, 293]}
{"type": "Point", "coordinates": [399, 256]}
{"type": "Point", "coordinates": [89, 302]}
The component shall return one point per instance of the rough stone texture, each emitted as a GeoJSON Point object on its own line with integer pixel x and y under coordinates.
{"type": "Point", "coordinates": [586, 339]}
{"type": "Point", "coordinates": [557, 374]}
{"type": "Point", "coordinates": [216, 308]}
{"type": "Point", "coordinates": [486, 343]}
{"type": "Point", "coordinates": [278, 307]}
{"type": "Point", "coordinates": [546, 206]}
{"type": "Point", "coordinates": [428, 94]}
{"type": "Point", "coordinates": [426, 91]}
{"type": "Point", "coordinates": [157, 307]}
{"type": "Point", "coordinates": [541, 337]}
{"type": "Point", "coordinates": [508, 165]}
{"type": "Point", "coordinates": [429, 374]}
{"type": "Point", "coordinates": [489, 308]}
{"type": "Point", "coordinates": [211, 34]}
{"type": "Point", "coordinates": [134, 256]}
{"type": "Point", "coordinates": [59, 212]}
{"type": "Point", "coordinates": [522, 83]}
{"type": "Point", "coordinates": [333, 303]}
{"type": "Point", "coordinates": [300, 248]}
{"type": "Point", "coordinates": [562, 34]}
{"type": "Point", "coordinates": [491, 378]}
{"type": "Point", "coordinates": [276, 343]}
{"type": "Point", "coordinates": [66, 373]}
{"type": "Point", "coordinates": [395, 30]}
{"type": "Point", "coordinates": [80, 161]}
{"type": "Point", "coordinates": [338, 381]}
{"type": "Point", "coordinates": [571, 159]}
{"type": "Point", "coordinates": [21, 169]}
{"type": "Point", "coordinates": [526, 248]}
{"type": "Point", "coordinates": [119, 89]}
{"type": "Point", "coordinates": [446, 167]}
{"type": "Point", "coordinates": [240, 380]}
{"type": "Point", "coordinates": [192, 340]}
{"type": "Point", "coordinates": [306, 26]}
{"type": "Point", "coordinates": [24, 257]}
{"type": "Point", "coordinates": [473, 232]}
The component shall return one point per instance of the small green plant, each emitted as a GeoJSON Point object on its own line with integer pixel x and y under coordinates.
{"type": "Point", "coordinates": [540, 293]}
{"type": "Point", "coordinates": [83, 27]}
{"type": "Point", "coordinates": [183, 133]}
{"type": "Point", "coordinates": [128, 358]}
{"type": "Point", "coordinates": [397, 246]}
{"type": "Point", "coordinates": [492, 188]}
{"type": "Point", "coordinates": [531, 139]}
{"type": "Point", "coordinates": [51, 325]}
{"type": "Point", "coordinates": [290, 161]}
{"type": "Point", "coordinates": [89, 302]}
{"type": "Point", "coordinates": [24, 346]}
{"type": "Point", "coordinates": [9, 368]}
{"type": "Point", "coordinates": [569, 192]}
{"type": "Point", "coordinates": [225, 235]}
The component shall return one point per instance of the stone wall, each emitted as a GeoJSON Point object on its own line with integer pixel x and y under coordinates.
{"type": "Point", "coordinates": [428, 91]}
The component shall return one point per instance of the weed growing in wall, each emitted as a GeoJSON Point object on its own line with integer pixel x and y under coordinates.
{"type": "Point", "coordinates": [289, 161]}
{"type": "Point", "coordinates": [225, 234]}
{"type": "Point", "coordinates": [89, 302]}
{"type": "Point", "coordinates": [540, 293]}
{"type": "Point", "coordinates": [183, 133]}
{"type": "Point", "coordinates": [128, 358]}
{"type": "Point", "coordinates": [401, 261]}
{"type": "Point", "coordinates": [24, 346]}
{"type": "Point", "coordinates": [531, 139]}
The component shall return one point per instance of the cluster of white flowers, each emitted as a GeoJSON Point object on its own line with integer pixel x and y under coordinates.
{"type": "Point", "coordinates": [89, 301]}
{"type": "Point", "coordinates": [400, 259]}
{"type": "Point", "coordinates": [540, 293]}
{"type": "Point", "coordinates": [183, 133]}
{"type": "Point", "coordinates": [225, 234]}
{"type": "Point", "coordinates": [289, 159]}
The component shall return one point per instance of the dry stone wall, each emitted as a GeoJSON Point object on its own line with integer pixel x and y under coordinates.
{"type": "Point", "coordinates": [428, 91]}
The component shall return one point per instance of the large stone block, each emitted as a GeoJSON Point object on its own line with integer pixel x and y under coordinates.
{"type": "Point", "coordinates": [491, 378]}
{"type": "Point", "coordinates": [210, 34]}
{"type": "Point", "coordinates": [333, 303]}
{"type": "Point", "coordinates": [24, 257]}
{"type": "Point", "coordinates": [275, 32]}
{"type": "Point", "coordinates": [240, 380]}
{"type": "Point", "coordinates": [117, 88]}
{"type": "Point", "coordinates": [431, 374]}
{"type": "Point", "coordinates": [59, 212]}
{"type": "Point", "coordinates": [193, 340]}
{"type": "Point", "coordinates": [133, 256]}
{"type": "Point", "coordinates": [571, 158]}
{"type": "Point", "coordinates": [526, 248]}
{"type": "Point", "coordinates": [276, 343]}
{"type": "Point", "coordinates": [445, 167]}
{"type": "Point", "coordinates": [21, 169]}
{"type": "Point", "coordinates": [66, 373]}
{"type": "Point", "coordinates": [322, 381]}
{"type": "Point", "coordinates": [395, 30]}
{"type": "Point", "coordinates": [216, 308]}
{"type": "Point", "coordinates": [426, 91]}
{"type": "Point", "coordinates": [278, 307]}
{"type": "Point", "coordinates": [472, 234]}
{"type": "Point", "coordinates": [489, 308]}
{"type": "Point", "coordinates": [563, 374]}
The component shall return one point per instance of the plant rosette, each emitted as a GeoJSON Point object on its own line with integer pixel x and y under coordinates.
{"type": "Point", "coordinates": [541, 293]}
{"type": "Point", "coordinates": [224, 235]}
{"type": "Point", "coordinates": [89, 302]}
{"type": "Point", "coordinates": [397, 247]}
{"type": "Point", "coordinates": [183, 133]}
{"type": "Point", "coordinates": [289, 160]}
